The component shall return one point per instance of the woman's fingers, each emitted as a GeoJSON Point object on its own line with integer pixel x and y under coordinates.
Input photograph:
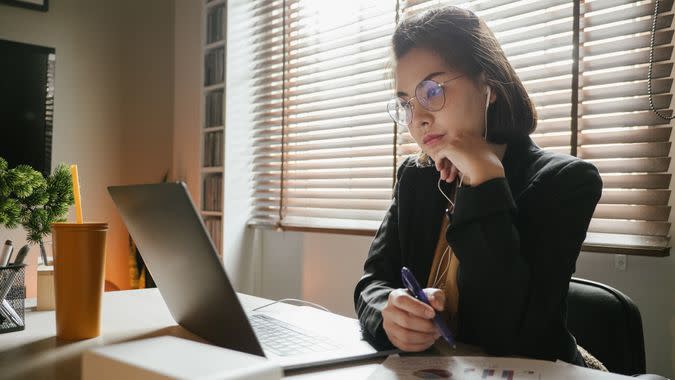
{"type": "Point", "coordinates": [409, 347]}
{"type": "Point", "coordinates": [408, 321]}
{"type": "Point", "coordinates": [413, 323]}
{"type": "Point", "coordinates": [408, 340]}
{"type": "Point", "coordinates": [445, 169]}
{"type": "Point", "coordinates": [453, 174]}
{"type": "Point", "coordinates": [436, 297]}
{"type": "Point", "coordinates": [413, 337]}
{"type": "Point", "coordinates": [402, 300]}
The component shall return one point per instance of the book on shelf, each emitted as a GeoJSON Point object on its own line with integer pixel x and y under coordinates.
{"type": "Point", "coordinates": [213, 149]}
{"type": "Point", "coordinates": [214, 227]}
{"type": "Point", "coordinates": [215, 23]}
{"type": "Point", "coordinates": [214, 109]}
{"type": "Point", "coordinates": [214, 66]}
{"type": "Point", "coordinates": [212, 192]}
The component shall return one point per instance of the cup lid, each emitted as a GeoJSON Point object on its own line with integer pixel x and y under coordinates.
{"type": "Point", "coordinates": [80, 226]}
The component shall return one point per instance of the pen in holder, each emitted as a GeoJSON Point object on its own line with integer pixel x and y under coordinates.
{"type": "Point", "coordinates": [12, 298]}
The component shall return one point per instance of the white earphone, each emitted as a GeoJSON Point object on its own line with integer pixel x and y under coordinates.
{"type": "Point", "coordinates": [487, 105]}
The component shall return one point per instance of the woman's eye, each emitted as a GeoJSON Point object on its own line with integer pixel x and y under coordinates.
{"type": "Point", "coordinates": [434, 91]}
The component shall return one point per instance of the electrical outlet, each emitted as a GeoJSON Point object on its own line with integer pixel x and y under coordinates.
{"type": "Point", "coordinates": [620, 262]}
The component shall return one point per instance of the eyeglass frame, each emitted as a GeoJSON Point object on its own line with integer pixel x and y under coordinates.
{"type": "Point", "coordinates": [409, 101]}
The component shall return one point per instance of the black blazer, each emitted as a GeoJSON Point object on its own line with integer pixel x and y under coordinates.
{"type": "Point", "coordinates": [517, 239]}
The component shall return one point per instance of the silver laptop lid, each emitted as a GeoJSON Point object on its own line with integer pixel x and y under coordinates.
{"type": "Point", "coordinates": [171, 237]}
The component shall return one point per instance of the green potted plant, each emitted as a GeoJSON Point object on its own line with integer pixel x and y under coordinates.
{"type": "Point", "coordinates": [29, 199]}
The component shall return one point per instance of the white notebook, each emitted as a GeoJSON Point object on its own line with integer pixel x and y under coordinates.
{"type": "Point", "coordinates": [168, 357]}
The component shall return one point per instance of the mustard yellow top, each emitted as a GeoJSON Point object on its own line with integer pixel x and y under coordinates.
{"type": "Point", "coordinates": [446, 280]}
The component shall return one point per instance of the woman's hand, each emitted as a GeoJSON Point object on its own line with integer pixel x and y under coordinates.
{"type": "Point", "coordinates": [470, 155]}
{"type": "Point", "coordinates": [408, 321]}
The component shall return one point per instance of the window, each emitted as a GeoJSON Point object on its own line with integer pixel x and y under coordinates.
{"type": "Point", "coordinates": [325, 152]}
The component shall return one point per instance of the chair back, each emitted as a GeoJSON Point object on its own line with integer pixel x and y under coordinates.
{"type": "Point", "coordinates": [607, 324]}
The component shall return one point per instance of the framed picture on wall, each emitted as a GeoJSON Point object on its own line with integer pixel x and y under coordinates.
{"type": "Point", "coordinates": [39, 5]}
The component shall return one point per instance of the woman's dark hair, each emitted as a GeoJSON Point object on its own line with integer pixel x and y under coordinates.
{"type": "Point", "coordinates": [467, 45]}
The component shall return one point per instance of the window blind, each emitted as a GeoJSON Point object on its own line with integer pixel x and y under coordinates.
{"type": "Point", "coordinates": [255, 33]}
{"type": "Point", "coordinates": [324, 150]}
{"type": "Point", "coordinates": [618, 132]}
{"type": "Point", "coordinates": [324, 137]}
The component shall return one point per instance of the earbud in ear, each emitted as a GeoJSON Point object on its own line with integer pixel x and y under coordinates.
{"type": "Point", "coordinates": [487, 101]}
{"type": "Point", "coordinates": [487, 104]}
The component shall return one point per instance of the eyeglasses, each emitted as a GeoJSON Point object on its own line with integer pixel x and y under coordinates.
{"type": "Point", "coordinates": [429, 94]}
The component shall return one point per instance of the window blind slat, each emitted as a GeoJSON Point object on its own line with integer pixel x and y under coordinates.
{"type": "Point", "coordinates": [622, 119]}
{"type": "Point", "coordinates": [634, 150]}
{"type": "Point", "coordinates": [340, 204]}
{"type": "Point", "coordinates": [636, 180]}
{"type": "Point", "coordinates": [544, 140]}
{"type": "Point", "coordinates": [631, 244]}
{"type": "Point", "coordinates": [273, 137]}
{"type": "Point", "coordinates": [626, 58]}
{"type": "Point", "coordinates": [376, 172]}
{"type": "Point", "coordinates": [331, 224]}
{"type": "Point", "coordinates": [308, 146]}
{"type": "Point", "coordinates": [328, 193]}
{"type": "Point", "coordinates": [632, 212]}
{"type": "Point", "coordinates": [600, 12]}
{"type": "Point", "coordinates": [632, 165]}
{"type": "Point", "coordinates": [625, 73]}
{"type": "Point", "coordinates": [630, 227]}
{"type": "Point", "coordinates": [331, 163]}
{"type": "Point", "coordinates": [625, 135]}
{"type": "Point", "coordinates": [327, 213]}
{"type": "Point", "coordinates": [624, 43]}
{"type": "Point", "coordinates": [635, 196]}
{"type": "Point", "coordinates": [329, 153]}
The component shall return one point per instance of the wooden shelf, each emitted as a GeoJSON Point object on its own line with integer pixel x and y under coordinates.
{"type": "Point", "coordinates": [214, 3]}
{"type": "Point", "coordinates": [212, 169]}
{"type": "Point", "coordinates": [217, 86]}
{"type": "Point", "coordinates": [214, 45]}
{"type": "Point", "coordinates": [213, 129]}
{"type": "Point", "coordinates": [212, 213]}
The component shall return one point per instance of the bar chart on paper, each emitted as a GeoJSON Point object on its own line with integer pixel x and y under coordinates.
{"type": "Point", "coordinates": [482, 367]}
{"type": "Point", "coordinates": [456, 367]}
{"type": "Point", "coordinates": [498, 373]}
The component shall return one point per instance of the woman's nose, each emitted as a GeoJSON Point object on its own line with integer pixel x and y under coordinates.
{"type": "Point", "coordinates": [421, 118]}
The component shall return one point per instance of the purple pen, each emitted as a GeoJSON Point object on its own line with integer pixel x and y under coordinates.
{"type": "Point", "coordinates": [411, 283]}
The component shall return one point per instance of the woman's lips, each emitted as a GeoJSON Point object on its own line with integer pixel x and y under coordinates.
{"type": "Point", "coordinates": [431, 139]}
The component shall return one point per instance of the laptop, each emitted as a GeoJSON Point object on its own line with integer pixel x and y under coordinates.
{"type": "Point", "coordinates": [182, 259]}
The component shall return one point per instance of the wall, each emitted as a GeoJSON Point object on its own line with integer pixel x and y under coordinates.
{"type": "Point", "coordinates": [187, 94]}
{"type": "Point", "coordinates": [114, 85]}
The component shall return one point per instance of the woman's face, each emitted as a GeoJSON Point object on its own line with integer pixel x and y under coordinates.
{"type": "Point", "coordinates": [464, 100]}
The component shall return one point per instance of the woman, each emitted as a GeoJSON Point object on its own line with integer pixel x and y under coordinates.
{"type": "Point", "coordinates": [488, 221]}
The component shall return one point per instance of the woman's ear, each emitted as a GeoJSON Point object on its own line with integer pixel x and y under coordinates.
{"type": "Point", "coordinates": [493, 95]}
{"type": "Point", "coordinates": [488, 88]}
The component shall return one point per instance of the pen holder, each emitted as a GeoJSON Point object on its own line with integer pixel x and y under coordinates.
{"type": "Point", "coordinates": [12, 298]}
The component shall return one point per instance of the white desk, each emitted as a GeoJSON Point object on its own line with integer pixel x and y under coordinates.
{"type": "Point", "coordinates": [127, 315]}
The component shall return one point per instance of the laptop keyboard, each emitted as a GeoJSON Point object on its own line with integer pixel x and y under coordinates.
{"type": "Point", "coordinates": [285, 339]}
